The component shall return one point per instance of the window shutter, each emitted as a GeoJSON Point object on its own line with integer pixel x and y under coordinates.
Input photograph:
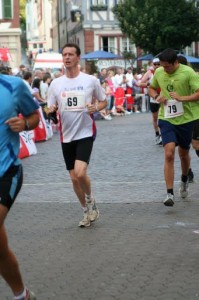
{"type": "Point", "coordinates": [7, 9]}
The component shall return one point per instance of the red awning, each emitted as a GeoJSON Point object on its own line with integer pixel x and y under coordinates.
{"type": "Point", "coordinates": [5, 54]}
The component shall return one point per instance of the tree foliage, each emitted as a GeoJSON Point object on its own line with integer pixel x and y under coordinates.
{"type": "Point", "coordinates": [154, 25]}
{"type": "Point", "coordinates": [22, 8]}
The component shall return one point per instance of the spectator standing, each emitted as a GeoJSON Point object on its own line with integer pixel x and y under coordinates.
{"type": "Point", "coordinates": [44, 85]}
{"type": "Point", "coordinates": [102, 74]}
{"type": "Point", "coordinates": [136, 92]}
{"type": "Point", "coordinates": [105, 113]}
{"type": "Point", "coordinates": [22, 70]}
{"type": "Point", "coordinates": [120, 88]}
{"type": "Point", "coordinates": [110, 81]}
{"type": "Point", "coordinates": [129, 90]}
{"type": "Point", "coordinates": [27, 78]}
{"type": "Point", "coordinates": [36, 90]}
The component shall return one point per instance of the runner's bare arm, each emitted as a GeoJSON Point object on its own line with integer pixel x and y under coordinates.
{"type": "Point", "coordinates": [192, 97]}
{"type": "Point", "coordinates": [27, 123]}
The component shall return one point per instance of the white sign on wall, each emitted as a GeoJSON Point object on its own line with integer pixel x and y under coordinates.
{"type": "Point", "coordinates": [108, 63]}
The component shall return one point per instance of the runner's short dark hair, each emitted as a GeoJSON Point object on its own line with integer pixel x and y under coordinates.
{"type": "Point", "coordinates": [72, 45]}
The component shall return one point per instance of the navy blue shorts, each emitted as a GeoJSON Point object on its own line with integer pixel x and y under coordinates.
{"type": "Point", "coordinates": [10, 185]}
{"type": "Point", "coordinates": [77, 150]}
{"type": "Point", "coordinates": [181, 135]}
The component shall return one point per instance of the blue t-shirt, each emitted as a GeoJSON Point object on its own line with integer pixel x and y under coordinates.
{"type": "Point", "coordinates": [15, 98]}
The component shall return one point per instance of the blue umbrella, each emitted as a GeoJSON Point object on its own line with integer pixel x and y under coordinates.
{"type": "Point", "coordinates": [99, 54]}
{"type": "Point", "coordinates": [190, 59]}
{"type": "Point", "coordinates": [146, 57]}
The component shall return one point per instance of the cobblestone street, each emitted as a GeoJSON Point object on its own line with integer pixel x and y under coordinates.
{"type": "Point", "coordinates": [137, 250]}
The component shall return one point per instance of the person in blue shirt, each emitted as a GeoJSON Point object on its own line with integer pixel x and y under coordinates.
{"type": "Point", "coordinates": [18, 113]}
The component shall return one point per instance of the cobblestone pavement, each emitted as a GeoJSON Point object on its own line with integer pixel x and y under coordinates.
{"type": "Point", "coordinates": [137, 250]}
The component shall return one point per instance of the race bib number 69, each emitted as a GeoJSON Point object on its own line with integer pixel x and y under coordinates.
{"type": "Point", "coordinates": [73, 101]}
{"type": "Point", "coordinates": [173, 108]}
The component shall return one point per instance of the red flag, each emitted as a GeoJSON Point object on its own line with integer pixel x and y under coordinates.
{"type": "Point", "coordinates": [5, 54]}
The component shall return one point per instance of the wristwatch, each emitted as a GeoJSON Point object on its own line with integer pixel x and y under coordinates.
{"type": "Point", "coordinates": [27, 126]}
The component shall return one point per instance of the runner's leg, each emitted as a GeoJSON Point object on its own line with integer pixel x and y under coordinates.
{"type": "Point", "coordinates": [184, 159]}
{"type": "Point", "coordinates": [80, 181]}
{"type": "Point", "coordinates": [9, 268]}
{"type": "Point", "coordinates": [169, 152]}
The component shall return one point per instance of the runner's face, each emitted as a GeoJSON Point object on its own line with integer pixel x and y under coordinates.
{"type": "Point", "coordinates": [70, 57]}
{"type": "Point", "coordinates": [169, 68]}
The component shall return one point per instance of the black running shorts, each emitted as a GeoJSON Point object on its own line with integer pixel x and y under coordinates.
{"type": "Point", "coordinates": [154, 107]}
{"type": "Point", "coordinates": [10, 185]}
{"type": "Point", "coordinates": [77, 150]}
{"type": "Point", "coordinates": [196, 131]}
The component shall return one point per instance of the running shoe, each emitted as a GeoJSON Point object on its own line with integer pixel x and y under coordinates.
{"type": "Point", "coordinates": [85, 222]}
{"type": "Point", "coordinates": [128, 112]}
{"type": "Point", "coordinates": [169, 200]}
{"type": "Point", "coordinates": [184, 188]}
{"type": "Point", "coordinates": [190, 176]}
{"type": "Point", "coordinates": [93, 211]}
{"type": "Point", "coordinates": [29, 295]}
{"type": "Point", "coordinates": [107, 117]}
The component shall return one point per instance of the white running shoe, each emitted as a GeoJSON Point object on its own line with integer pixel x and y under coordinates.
{"type": "Point", "coordinates": [184, 189]}
{"type": "Point", "coordinates": [169, 200]}
{"type": "Point", "coordinates": [107, 117]}
{"type": "Point", "coordinates": [86, 222]}
{"type": "Point", "coordinates": [29, 295]}
{"type": "Point", "coordinates": [93, 210]}
{"type": "Point", "coordinates": [128, 112]}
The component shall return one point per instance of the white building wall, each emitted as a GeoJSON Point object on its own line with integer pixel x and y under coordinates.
{"type": "Point", "coordinates": [38, 25]}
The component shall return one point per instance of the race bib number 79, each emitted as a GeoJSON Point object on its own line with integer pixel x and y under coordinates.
{"type": "Point", "coordinates": [73, 101]}
{"type": "Point", "coordinates": [173, 108]}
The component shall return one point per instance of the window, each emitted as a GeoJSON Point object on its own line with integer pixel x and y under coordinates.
{"type": "Point", "coordinates": [127, 45]}
{"type": "Point", "coordinates": [98, 2]}
{"type": "Point", "coordinates": [96, 5]}
{"type": "Point", "coordinates": [6, 9]}
{"type": "Point", "coordinates": [108, 44]}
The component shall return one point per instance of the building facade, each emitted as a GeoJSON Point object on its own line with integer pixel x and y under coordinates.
{"type": "Point", "coordinates": [92, 25]}
{"type": "Point", "coordinates": [10, 31]}
{"type": "Point", "coordinates": [89, 23]}
{"type": "Point", "coordinates": [39, 26]}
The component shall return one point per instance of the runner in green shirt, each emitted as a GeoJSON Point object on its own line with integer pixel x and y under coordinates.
{"type": "Point", "coordinates": [179, 111]}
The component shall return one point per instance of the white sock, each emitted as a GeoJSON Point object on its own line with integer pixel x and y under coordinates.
{"type": "Point", "coordinates": [85, 209]}
{"type": "Point", "coordinates": [89, 198]}
{"type": "Point", "coordinates": [21, 296]}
